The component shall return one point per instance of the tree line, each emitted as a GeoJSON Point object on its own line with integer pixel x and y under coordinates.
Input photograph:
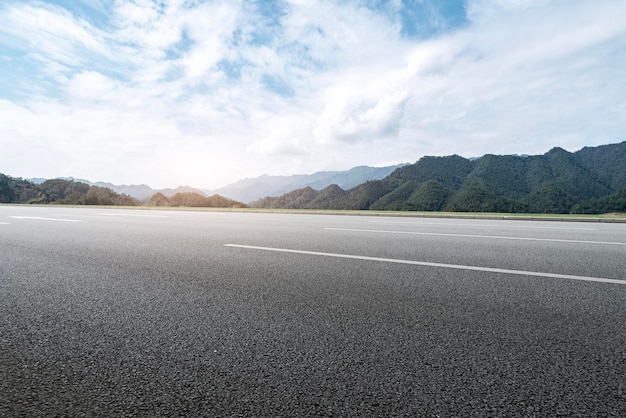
{"type": "Point", "coordinates": [59, 191]}
{"type": "Point", "coordinates": [69, 192]}
{"type": "Point", "coordinates": [589, 181]}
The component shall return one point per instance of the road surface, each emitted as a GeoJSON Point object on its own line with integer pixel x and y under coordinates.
{"type": "Point", "coordinates": [110, 312]}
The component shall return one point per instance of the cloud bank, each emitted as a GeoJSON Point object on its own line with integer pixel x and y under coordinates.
{"type": "Point", "coordinates": [207, 92]}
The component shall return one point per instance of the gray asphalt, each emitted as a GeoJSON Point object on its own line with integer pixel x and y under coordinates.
{"type": "Point", "coordinates": [109, 312]}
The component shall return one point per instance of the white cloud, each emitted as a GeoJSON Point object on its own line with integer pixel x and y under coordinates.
{"type": "Point", "coordinates": [149, 30]}
{"type": "Point", "coordinates": [434, 57]}
{"type": "Point", "coordinates": [93, 86]}
{"type": "Point", "coordinates": [284, 139]}
{"type": "Point", "coordinates": [340, 34]}
{"type": "Point", "coordinates": [209, 92]}
{"type": "Point", "coordinates": [52, 33]}
{"type": "Point", "coordinates": [352, 121]}
{"type": "Point", "coordinates": [522, 83]}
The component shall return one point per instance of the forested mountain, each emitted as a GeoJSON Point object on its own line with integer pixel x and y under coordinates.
{"type": "Point", "coordinates": [61, 191]}
{"type": "Point", "coordinates": [141, 192]}
{"type": "Point", "coordinates": [591, 180]}
{"type": "Point", "coordinates": [16, 190]}
{"type": "Point", "coordinates": [190, 199]}
{"type": "Point", "coordinates": [248, 190]}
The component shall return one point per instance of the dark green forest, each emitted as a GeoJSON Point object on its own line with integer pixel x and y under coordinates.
{"type": "Point", "coordinates": [59, 191]}
{"type": "Point", "coordinates": [190, 199]}
{"type": "Point", "coordinates": [68, 192]}
{"type": "Point", "coordinates": [589, 181]}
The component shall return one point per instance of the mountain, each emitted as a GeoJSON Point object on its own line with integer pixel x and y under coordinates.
{"type": "Point", "coordinates": [591, 180]}
{"type": "Point", "coordinates": [36, 180]}
{"type": "Point", "coordinates": [144, 192]}
{"type": "Point", "coordinates": [140, 192]}
{"type": "Point", "coordinates": [59, 191]}
{"type": "Point", "coordinates": [63, 191]}
{"type": "Point", "coordinates": [191, 199]}
{"type": "Point", "coordinates": [248, 190]}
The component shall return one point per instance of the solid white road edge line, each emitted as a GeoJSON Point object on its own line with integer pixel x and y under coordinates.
{"type": "Point", "coordinates": [428, 264]}
{"type": "Point", "coordinates": [379, 231]}
{"type": "Point", "coordinates": [41, 218]}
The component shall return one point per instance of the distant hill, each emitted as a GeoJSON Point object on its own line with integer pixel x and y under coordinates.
{"type": "Point", "coordinates": [140, 192]}
{"type": "Point", "coordinates": [591, 180]}
{"type": "Point", "coordinates": [64, 191]}
{"type": "Point", "coordinates": [60, 191]}
{"type": "Point", "coordinates": [190, 199]}
{"type": "Point", "coordinates": [248, 190]}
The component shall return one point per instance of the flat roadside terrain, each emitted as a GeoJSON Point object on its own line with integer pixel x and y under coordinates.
{"type": "Point", "coordinates": [110, 312]}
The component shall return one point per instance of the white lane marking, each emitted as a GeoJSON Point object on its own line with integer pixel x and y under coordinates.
{"type": "Point", "coordinates": [5, 223]}
{"type": "Point", "coordinates": [480, 225]}
{"type": "Point", "coordinates": [429, 264]}
{"type": "Point", "coordinates": [379, 231]}
{"type": "Point", "coordinates": [41, 218]}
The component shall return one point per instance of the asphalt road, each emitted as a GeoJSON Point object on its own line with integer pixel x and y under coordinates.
{"type": "Point", "coordinates": [110, 312]}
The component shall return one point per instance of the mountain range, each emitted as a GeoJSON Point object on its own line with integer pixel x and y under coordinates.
{"type": "Point", "coordinates": [591, 180]}
{"type": "Point", "coordinates": [141, 192]}
{"type": "Point", "coordinates": [71, 192]}
{"type": "Point", "coordinates": [250, 189]}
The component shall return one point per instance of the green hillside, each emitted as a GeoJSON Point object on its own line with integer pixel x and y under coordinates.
{"type": "Point", "coordinates": [69, 192]}
{"type": "Point", "coordinates": [592, 180]}
{"type": "Point", "coordinates": [191, 199]}
{"type": "Point", "coordinates": [59, 191]}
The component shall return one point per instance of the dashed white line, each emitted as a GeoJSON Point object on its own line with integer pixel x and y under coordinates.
{"type": "Point", "coordinates": [5, 223]}
{"type": "Point", "coordinates": [41, 218]}
{"type": "Point", "coordinates": [380, 231]}
{"type": "Point", "coordinates": [429, 264]}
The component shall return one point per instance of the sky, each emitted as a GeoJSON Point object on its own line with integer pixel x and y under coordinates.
{"type": "Point", "coordinates": [204, 93]}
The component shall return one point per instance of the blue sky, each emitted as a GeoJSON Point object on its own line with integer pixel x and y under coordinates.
{"type": "Point", "coordinates": [205, 93]}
